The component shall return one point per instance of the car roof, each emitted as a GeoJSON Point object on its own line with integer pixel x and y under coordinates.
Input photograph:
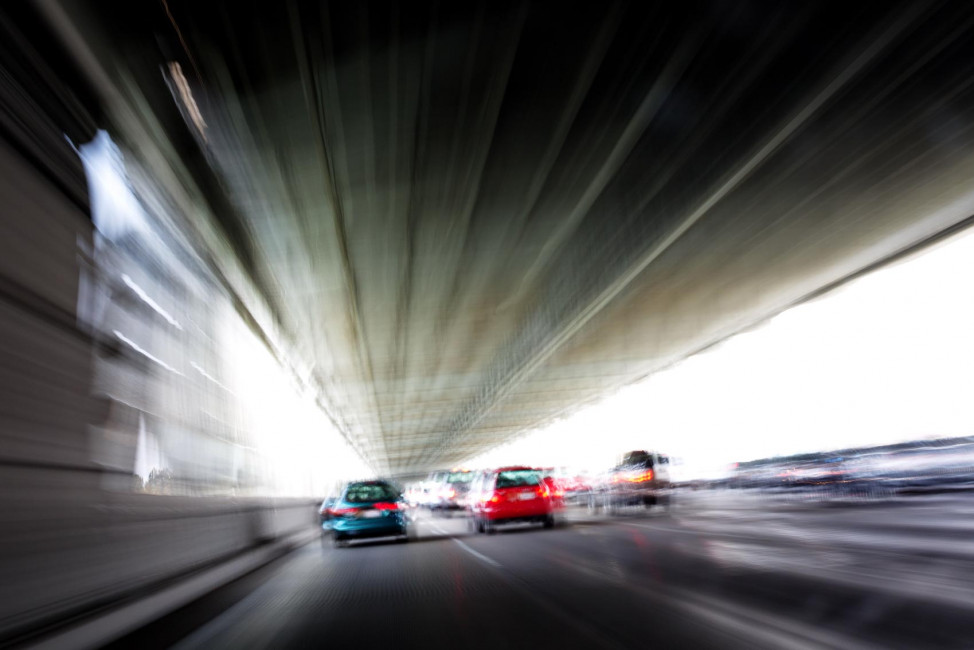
{"type": "Point", "coordinates": [372, 482]}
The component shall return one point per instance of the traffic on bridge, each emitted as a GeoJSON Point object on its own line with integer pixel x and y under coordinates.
{"type": "Point", "coordinates": [486, 324]}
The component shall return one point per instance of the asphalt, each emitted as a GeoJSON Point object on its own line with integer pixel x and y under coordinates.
{"type": "Point", "coordinates": [727, 570]}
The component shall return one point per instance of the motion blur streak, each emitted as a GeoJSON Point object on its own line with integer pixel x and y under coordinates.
{"type": "Point", "coordinates": [150, 427]}
{"type": "Point", "coordinates": [274, 273]}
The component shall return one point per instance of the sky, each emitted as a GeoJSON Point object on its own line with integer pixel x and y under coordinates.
{"type": "Point", "coordinates": [886, 358]}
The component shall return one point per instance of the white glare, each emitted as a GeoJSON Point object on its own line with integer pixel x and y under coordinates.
{"type": "Point", "coordinates": [887, 358]}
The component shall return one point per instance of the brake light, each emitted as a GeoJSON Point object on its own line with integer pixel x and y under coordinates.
{"type": "Point", "coordinates": [387, 506]}
{"type": "Point", "coordinates": [495, 499]}
{"type": "Point", "coordinates": [339, 512]}
{"type": "Point", "coordinates": [642, 477]}
{"type": "Point", "coordinates": [543, 491]}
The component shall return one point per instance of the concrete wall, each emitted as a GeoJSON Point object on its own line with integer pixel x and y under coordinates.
{"type": "Point", "coordinates": [79, 531]}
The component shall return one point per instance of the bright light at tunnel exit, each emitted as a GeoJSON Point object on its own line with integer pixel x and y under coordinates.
{"type": "Point", "coordinates": [302, 448]}
{"type": "Point", "coordinates": [886, 358]}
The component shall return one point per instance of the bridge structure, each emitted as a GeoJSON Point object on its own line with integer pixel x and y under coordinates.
{"type": "Point", "coordinates": [435, 226]}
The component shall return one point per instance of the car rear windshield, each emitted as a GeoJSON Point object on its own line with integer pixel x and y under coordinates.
{"type": "Point", "coordinates": [517, 478]}
{"type": "Point", "coordinates": [640, 458]}
{"type": "Point", "coordinates": [370, 492]}
{"type": "Point", "coordinates": [460, 477]}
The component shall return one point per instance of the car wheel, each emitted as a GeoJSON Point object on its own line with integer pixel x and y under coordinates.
{"type": "Point", "coordinates": [339, 541]}
{"type": "Point", "coordinates": [549, 521]}
{"type": "Point", "coordinates": [481, 528]}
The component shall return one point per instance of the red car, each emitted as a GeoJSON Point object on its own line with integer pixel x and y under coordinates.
{"type": "Point", "coordinates": [508, 495]}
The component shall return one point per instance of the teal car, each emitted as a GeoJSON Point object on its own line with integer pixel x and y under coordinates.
{"type": "Point", "coordinates": [367, 509]}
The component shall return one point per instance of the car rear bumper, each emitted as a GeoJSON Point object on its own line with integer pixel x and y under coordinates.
{"type": "Point", "coordinates": [455, 502]}
{"type": "Point", "coordinates": [379, 527]}
{"type": "Point", "coordinates": [537, 510]}
{"type": "Point", "coordinates": [649, 495]}
{"type": "Point", "coordinates": [448, 505]}
{"type": "Point", "coordinates": [524, 519]}
{"type": "Point", "coordinates": [650, 488]}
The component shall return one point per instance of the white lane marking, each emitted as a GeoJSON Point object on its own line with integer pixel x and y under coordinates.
{"type": "Point", "coordinates": [477, 554]}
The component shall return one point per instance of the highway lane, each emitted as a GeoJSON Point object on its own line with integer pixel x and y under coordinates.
{"type": "Point", "coordinates": [720, 570]}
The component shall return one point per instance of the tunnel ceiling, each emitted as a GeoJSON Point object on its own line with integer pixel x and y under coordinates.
{"type": "Point", "coordinates": [473, 218]}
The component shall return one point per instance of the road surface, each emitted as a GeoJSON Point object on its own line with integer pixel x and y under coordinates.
{"type": "Point", "coordinates": [718, 570]}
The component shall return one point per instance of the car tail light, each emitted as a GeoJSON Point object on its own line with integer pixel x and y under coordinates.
{"type": "Point", "coordinates": [543, 491]}
{"type": "Point", "coordinates": [642, 477]}
{"type": "Point", "coordinates": [340, 512]}
{"type": "Point", "coordinates": [386, 506]}
{"type": "Point", "coordinates": [495, 499]}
